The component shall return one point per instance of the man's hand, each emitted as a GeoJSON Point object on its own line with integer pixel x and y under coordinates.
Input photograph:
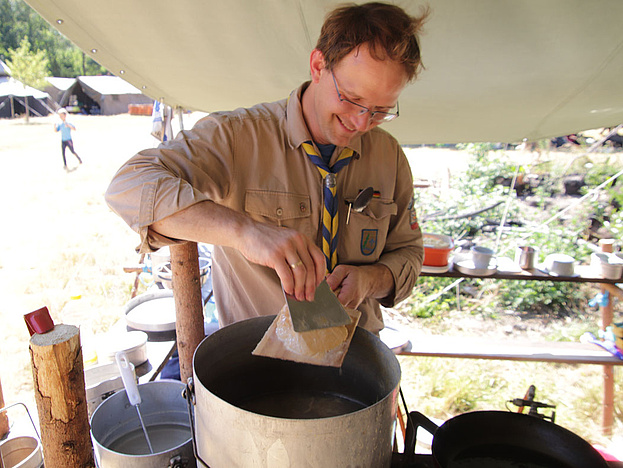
{"type": "Point", "coordinates": [299, 263]}
{"type": "Point", "coordinates": [357, 283]}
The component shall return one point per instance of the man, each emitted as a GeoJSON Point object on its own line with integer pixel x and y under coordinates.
{"type": "Point", "coordinates": [66, 142]}
{"type": "Point", "coordinates": [252, 182]}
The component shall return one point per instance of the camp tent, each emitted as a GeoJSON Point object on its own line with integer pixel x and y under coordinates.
{"type": "Point", "coordinates": [14, 93]}
{"type": "Point", "coordinates": [106, 95]}
{"type": "Point", "coordinates": [57, 86]}
{"type": "Point", "coordinates": [496, 70]}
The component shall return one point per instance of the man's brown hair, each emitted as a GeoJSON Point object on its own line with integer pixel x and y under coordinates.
{"type": "Point", "coordinates": [387, 29]}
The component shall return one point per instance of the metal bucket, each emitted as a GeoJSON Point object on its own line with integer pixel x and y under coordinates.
{"type": "Point", "coordinates": [118, 439]}
{"type": "Point", "coordinates": [21, 452]}
{"type": "Point", "coordinates": [253, 411]}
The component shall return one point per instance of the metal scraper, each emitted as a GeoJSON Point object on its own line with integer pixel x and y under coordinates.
{"type": "Point", "coordinates": [324, 311]}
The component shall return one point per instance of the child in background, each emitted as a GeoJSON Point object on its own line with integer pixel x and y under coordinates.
{"type": "Point", "coordinates": [65, 128]}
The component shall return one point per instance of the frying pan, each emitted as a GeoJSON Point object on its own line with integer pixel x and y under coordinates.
{"type": "Point", "coordinates": [483, 439]}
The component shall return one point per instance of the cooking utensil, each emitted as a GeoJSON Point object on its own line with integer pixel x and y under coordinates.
{"type": "Point", "coordinates": [362, 200]}
{"type": "Point", "coordinates": [437, 248]}
{"type": "Point", "coordinates": [126, 369]}
{"type": "Point", "coordinates": [504, 439]}
{"type": "Point", "coordinates": [254, 411]}
{"type": "Point", "coordinates": [117, 437]}
{"type": "Point", "coordinates": [482, 256]}
{"type": "Point", "coordinates": [324, 311]}
{"type": "Point", "coordinates": [525, 257]}
{"type": "Point", "coordinates": [272, 346]}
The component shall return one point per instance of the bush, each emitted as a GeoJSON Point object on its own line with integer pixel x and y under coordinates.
{"type": "Point", "coordinates": [476, 189]}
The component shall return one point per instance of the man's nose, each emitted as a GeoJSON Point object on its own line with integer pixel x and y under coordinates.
{"type": "Point", "coordinates": [362, 122]}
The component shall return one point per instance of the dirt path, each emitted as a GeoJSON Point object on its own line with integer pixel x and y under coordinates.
{"type": "Point", "coordinates": [61, 245]}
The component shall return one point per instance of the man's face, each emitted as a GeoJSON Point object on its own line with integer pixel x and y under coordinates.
{"type": "Point", "coordinates": [63, 116]}
{"type": "Point", "coordinates": [359, 78]}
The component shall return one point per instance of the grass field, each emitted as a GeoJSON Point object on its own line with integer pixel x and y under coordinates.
{"type": "Point", "coordinates": [63, 248]}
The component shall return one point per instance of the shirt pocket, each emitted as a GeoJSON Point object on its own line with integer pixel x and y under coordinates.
{"type": "Point", "coordinates": [280, 208]}
{"type": "Point", "coordinates": [364, 237]}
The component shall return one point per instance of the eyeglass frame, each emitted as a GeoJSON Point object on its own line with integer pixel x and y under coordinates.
{"type": "Point", "coordinates": [386, 116]}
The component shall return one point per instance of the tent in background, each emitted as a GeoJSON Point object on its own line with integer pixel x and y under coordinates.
{"type": "Point", "coordinates": [13, 94]}
{"type": "Point", "coordinates": [57, 86]}
{"type": "Point", "coordinates": [496, 70]}
{"type": "Point", "coordinates": [105, 95]}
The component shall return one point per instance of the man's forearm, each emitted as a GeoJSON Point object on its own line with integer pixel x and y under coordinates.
{"type": "Point", "coordinates": [298, 262]}
{"type": "Point", "coordinates": [205, 222]}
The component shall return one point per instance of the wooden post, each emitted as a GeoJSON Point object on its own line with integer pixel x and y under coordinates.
{"type": "Point", "coordinates": [60, 394]}
{"type": "Point", "coordinates": [4, 419]}
{"type": "Point", "coordinates": [188, 304]}
{"type": "Point", "coordinates": [607, 316]}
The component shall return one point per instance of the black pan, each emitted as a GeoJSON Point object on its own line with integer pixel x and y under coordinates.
{"type": "Point", "coordinates": [501, 439]}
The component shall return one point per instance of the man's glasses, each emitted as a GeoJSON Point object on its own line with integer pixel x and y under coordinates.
{"type": "Point", "coordinates": [375, 116]}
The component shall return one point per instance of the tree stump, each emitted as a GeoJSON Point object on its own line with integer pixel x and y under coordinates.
{"type": "Point", "coordinates": [60, 394]}
{"type": "Point", "coordinates": [188, 304]}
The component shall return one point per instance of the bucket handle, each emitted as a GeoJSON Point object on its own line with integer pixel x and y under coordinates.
{"type": "Point", "coordinates": [2, 410]}
{"type": "Point", "coordinates": [189, 395]}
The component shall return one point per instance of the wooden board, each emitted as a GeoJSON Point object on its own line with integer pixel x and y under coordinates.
{"type": "Point", "coordinates": [510, 350]}
{"type": "Point", "coordinates": [271, 346]}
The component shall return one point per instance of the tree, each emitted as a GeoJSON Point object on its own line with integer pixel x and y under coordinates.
{"type": "Point", "coordinates": [18, 20]}
{"type": "Point", "coordinates": [28, 67]}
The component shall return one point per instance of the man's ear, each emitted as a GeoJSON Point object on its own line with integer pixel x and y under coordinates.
{"type": "Point", "coordinates": [316, 65]}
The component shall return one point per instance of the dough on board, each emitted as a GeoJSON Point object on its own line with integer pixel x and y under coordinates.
{"type": "Point", "coordinates": [309, 342]}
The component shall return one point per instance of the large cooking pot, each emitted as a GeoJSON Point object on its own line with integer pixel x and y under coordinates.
{"type": "Point", "coordinates": [501, 439]}
{"type": "Point", "coordinates": [254, 411]}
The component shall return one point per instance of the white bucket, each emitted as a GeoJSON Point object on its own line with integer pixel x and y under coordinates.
{"type": "Point", "coordinates": [21, 452]}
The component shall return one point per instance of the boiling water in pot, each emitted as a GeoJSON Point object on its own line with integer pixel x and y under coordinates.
{"type": "Point", "coordinates": [300, 405]}
{"type": "Point", "coordinates": [163, 437]}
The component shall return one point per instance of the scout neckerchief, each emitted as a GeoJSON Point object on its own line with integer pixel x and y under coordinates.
{"type": "Point", "coordinates": [329, 212]}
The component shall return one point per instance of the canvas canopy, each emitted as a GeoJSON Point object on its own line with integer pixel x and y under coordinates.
{"type": "Point", "coordinates": [496, 70]}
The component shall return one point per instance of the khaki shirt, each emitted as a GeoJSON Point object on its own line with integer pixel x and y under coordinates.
{"type": "Point", "coordinates": [251, 160]}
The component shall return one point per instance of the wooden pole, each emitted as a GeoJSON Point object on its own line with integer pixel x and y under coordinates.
{"type": "Point", "coordinates": [607, 316]}
{"type": "Point", "coordinates": [188, 304]}
{"type": "Point", "coordinates": [60, 394]}
{"type": "Point", "coordinates": [4, 419]}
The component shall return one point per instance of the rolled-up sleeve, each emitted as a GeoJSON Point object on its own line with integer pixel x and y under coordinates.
{"type": "Point", "coordinates": [157, 183]}
{"type": "Point", "coordinates": [404, 249]}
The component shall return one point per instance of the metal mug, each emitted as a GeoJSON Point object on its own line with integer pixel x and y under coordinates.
{"type": "Point", "coordinates": [525, 256]}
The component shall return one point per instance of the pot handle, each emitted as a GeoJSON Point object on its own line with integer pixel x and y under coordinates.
{"type": "Point", "coordinates": [416, 420]}
{"type": "Point", "coordinates": [189, 395]}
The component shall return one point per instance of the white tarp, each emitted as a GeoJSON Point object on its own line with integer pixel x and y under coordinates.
{"type": "Point", "coordinates": [496, 70]}
{"type": "Point", "coordinates": [11, 87]}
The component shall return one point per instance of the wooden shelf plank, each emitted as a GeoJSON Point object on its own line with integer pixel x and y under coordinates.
{"type": "Point", "coordinates": [477, 348]}
{"type": "Point", "coordinates": [586, 274]}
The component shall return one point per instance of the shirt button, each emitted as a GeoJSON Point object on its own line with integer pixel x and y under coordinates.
{"type": "Point", "coordinates": [279, 212]}
{"type": "Point", "coordinates": [303, 207]}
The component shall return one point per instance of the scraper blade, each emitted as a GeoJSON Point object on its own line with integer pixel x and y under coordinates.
{"type": "Point", "coordinates": [324, 311]}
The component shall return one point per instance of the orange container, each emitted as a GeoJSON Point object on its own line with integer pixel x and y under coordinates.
{"type": "Point", "coordinates": [437, 248]}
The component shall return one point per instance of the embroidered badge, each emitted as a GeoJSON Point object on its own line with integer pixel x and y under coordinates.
{"type": "Point", "coordinates": [368, 241]}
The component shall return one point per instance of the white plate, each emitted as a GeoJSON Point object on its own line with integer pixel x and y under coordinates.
{"type": "Point", "coordinates": [435, 269]}
{"type": "Point", "coordinates": [545, 270]}
{"type": "Point", "coordinates": [467, 267]}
